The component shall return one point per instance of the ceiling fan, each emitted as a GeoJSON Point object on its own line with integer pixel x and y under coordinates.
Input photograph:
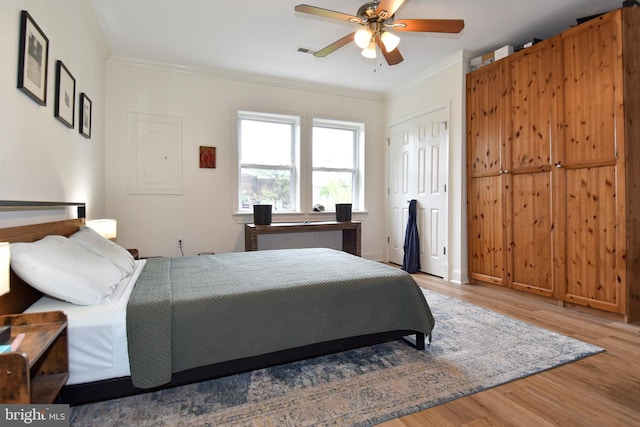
{"type": "Point", "coordinates": [377, 19]}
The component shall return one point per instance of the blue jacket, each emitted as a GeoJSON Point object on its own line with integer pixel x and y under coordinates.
{"type": "Point", "coordinates": [411, 261]}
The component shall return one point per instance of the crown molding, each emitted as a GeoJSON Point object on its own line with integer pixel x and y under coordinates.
{"type": "Point", "coordinates": [456, 58]}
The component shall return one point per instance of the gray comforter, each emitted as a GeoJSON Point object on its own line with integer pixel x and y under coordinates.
{"type": "Point", "coordinates": [195, 311]}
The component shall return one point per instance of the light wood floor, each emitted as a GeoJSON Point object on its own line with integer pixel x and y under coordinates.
{"type": "Point", "coordinates": [600, 390]}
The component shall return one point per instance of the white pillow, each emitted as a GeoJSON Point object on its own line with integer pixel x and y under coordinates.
{"type": "Point", "coordinates": [94, 242]}
{"type": "Point", "coordinates": [65, 270]}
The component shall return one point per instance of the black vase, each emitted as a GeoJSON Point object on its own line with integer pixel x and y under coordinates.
{"type": "Point", "coordinates": [262, 214]}
{"type": "Point", "coordinates": [343, 212]}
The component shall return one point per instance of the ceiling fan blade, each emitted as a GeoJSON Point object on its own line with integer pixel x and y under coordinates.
{"type": "Point", "coordinates": [390, 6]}
{"type": "Point", "coordinates": [334, 46]}
{"type": "Point", "coordinates": [326, 13]}
{"type": "Point", "coordinates": [429, 25]}
{"type": "Point", "coordinates": [394, 57]}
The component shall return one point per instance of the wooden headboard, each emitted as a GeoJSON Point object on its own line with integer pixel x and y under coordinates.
{"type": "Point", "coordinates": [22, 295]}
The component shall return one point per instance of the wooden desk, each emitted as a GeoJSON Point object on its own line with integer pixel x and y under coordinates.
{"type": "Point", "coordinates": [351, 234]}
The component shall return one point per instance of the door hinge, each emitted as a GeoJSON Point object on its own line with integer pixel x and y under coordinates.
{"type": "Point", "coordinates": [445, 188]}
{"type": "Point", "coordinates": [444, 250]}
{"type": "Point", "coordinates": [446, 125]}
{"type": "Point", "coordinates": [388, 240]}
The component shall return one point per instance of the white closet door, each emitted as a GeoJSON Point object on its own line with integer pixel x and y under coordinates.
{"type": "Point", "coordinates": [431, 158]}
{"type": "Point", "coordinates": [400, 146]}
{"type": "Point", "coordinates": [418, 170]}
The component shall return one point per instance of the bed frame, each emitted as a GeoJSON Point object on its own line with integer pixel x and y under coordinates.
{"type": "Point", "coordinates": [22, 296]}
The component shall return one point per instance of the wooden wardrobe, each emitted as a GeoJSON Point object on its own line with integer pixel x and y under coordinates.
{"type": "Point", "coordinates": [553, 167]}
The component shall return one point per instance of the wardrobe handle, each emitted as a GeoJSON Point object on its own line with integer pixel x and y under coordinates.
{"type": "Point", "coordinates": [559, 165]}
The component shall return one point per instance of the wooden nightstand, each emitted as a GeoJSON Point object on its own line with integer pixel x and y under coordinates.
{"type": "Point", "coordinates": [38, 369]}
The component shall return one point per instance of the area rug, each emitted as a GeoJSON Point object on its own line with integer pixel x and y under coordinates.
{"type": "Point", "coordinates": [473, 349]}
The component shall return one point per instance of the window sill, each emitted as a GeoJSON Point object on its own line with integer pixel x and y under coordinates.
{"type": "Point", "coordinates": [247, 217]}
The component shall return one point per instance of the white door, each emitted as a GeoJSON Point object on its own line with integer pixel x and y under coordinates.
{"type": "Point", "coordinates": [431, 151]}
{"type": "Point", "coordinates": [418, 170]}
{"type": "Point", "coordinates": [399, 193]}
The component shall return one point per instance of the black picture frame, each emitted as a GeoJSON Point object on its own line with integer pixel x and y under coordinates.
{"type": "Point", "coordinates": [64, 109]}
{"type": "Point", "coordinates": [84, 115]}
{"type": "Point", "coordinates": [33, 59]}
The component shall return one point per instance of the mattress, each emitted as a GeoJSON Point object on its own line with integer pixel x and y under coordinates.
{"type": "Point", "coordinates": [97, 335]}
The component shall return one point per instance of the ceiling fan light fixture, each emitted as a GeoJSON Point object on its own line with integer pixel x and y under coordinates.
{"type": "Point", "coordinates": [376, 20]}
{"type": "Point", "coordinates": [362, 38]}
{"type": "Point", "coordinates": [390, 41]}
{"type": "Point", "coordinates": [370, 51]}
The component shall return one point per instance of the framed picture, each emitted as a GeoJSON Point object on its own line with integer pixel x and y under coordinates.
{"type": "Point", "coordinates": [33, 59]}
{"type": "Point", "coordinates": [64, 109]}
{"type": "Point", "coordinates": [84, 114]}
{"type": "Point", "coordinates": [208, 157]}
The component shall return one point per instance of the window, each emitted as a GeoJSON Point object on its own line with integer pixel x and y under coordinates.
{"type": "Point", "coordinates": [267, 158]}
{"type": "Point", "coordinates": [295, 164]}
{"type": "Point", "coordinates": [335, 167]}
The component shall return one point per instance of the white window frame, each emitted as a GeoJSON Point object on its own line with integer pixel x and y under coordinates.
{"type": "Point", "coordinates": [357, 195]}
{"type": "Point", "coordinates": [302, 175]}
{"type": "Point", "coordinates": [293, 167]}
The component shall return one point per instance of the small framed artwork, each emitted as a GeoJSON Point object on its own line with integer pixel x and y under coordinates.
{"type": "Point", "coordinates": [64, 109]}
{"type": "Point", "coordinates": [33, 59]}
{"type": "Point", "coordinates": [84, 114]}
{"type": "Point", "coordinates": [208, 157]}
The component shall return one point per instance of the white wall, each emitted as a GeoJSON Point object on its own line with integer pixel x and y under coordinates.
{"type": "Point", "coordinates": [444, 86]}
{"type": "Point", "coordinates": [207, 103]}
{"type": "Point", "coordinates": [40, 158]}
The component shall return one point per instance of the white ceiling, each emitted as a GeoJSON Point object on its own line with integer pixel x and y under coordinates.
{"type": "Point", "coordinates": [262, 37]}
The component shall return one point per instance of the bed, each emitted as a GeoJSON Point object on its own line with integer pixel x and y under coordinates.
{"type": "Point", "coordinates": [222, 314]}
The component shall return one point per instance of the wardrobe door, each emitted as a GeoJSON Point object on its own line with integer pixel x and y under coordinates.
{"type": "Point", "coordinates": [530, 207]}
{"type": "Point", "coordinates": [593, 173]}
{"type": "Point", "coordinates": [486, 96]}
